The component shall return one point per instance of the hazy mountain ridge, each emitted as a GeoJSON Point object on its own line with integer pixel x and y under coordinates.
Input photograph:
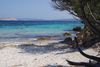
{"type": "Point", "coordinates": [7, 19]}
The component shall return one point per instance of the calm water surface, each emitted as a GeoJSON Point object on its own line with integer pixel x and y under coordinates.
{"type": "Point", "coordinates": [27, 29]}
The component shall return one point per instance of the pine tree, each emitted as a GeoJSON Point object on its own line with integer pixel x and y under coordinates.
{"type": "Point", "coordinates": [88, 11]}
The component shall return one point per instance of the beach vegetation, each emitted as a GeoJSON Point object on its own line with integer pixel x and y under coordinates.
{"type": "Point", "coordinates": [77, 29]}
{"type": "Point", "coordinates": [67, 34]}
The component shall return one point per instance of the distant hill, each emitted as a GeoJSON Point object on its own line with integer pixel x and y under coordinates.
{"type": "Point", "coordinates": [8, 19]}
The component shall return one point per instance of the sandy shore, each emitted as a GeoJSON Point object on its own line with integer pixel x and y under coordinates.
{"type": "Point", "coordinates": [30, 53]}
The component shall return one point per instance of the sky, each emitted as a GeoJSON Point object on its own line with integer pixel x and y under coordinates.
{"type": "Point", "coordinates": [36, 9]}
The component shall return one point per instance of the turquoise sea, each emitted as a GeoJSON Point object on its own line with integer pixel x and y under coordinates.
{"type": "Point", "coordinates": [29, 29]}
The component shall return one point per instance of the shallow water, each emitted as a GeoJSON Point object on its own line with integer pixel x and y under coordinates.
{"type": "Point", "coordinates": [28, 29]}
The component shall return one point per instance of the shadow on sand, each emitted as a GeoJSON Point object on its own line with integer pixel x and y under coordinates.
{"type": "Point", "coordinates": [58, 48]}
{"type": "Point", "coordinates": [55, 66]}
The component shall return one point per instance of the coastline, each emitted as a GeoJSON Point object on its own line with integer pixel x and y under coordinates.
{"type": "Point", "coordinates": [20, 47]}
{"type": "Point", "coordinates": [23, 38]}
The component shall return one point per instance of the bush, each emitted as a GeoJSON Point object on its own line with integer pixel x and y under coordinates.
{"type": "Point", "coordinates": [78, 29]}
{"type": "Point", "coordinates": [67, 34]}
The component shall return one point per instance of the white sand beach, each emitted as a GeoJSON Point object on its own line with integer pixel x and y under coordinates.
{"type": "Point", "coordinates": [47, 53]}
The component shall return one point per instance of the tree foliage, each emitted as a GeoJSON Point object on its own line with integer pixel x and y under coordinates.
{"type": "Point", "coordinates": [87, 10]}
